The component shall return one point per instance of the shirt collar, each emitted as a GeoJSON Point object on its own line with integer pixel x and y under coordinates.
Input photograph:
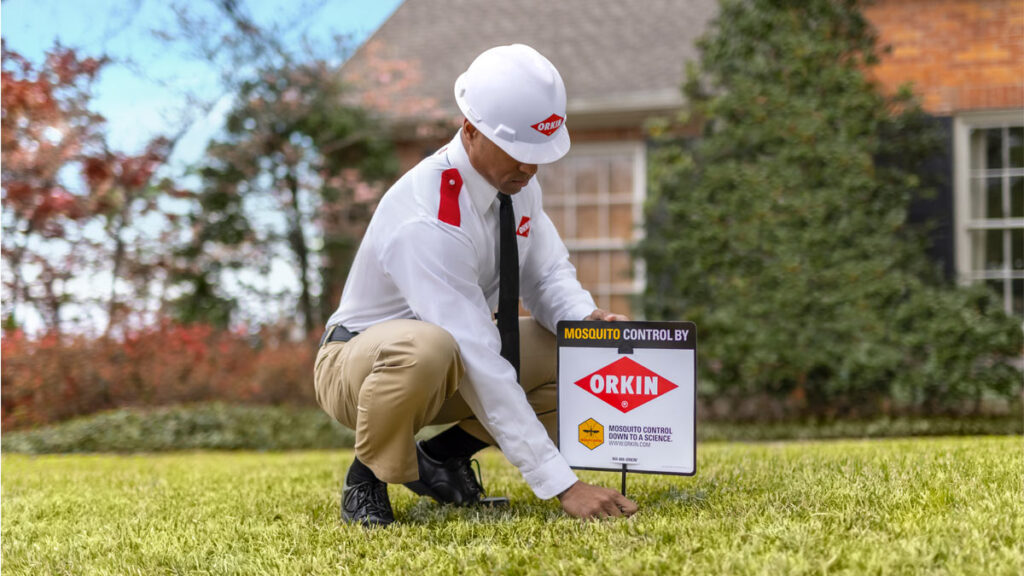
{"type": "Point", "coordinates": [481, 192]}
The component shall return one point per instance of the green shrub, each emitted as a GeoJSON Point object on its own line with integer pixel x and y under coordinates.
{"type": "Point", "coordinates": [213, 426]}
{"type": "Point", "coordinates": [783, 232]}
{"type": "Point", "coordinates": [226, 427]}
{"type": "Point", "coordinates": [874, 428]}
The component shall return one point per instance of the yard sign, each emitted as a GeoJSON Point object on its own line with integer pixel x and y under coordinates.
{"type": "Point", "coordinates": [627, 396]}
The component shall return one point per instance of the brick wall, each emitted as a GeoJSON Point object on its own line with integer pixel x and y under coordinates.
{"type": "Point", "coordinates": [959, 54]}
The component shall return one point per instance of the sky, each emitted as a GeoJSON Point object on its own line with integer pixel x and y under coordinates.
{"type": "Point", "coordinates": [140, 93]}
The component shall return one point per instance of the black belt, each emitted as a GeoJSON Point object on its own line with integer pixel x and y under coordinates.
{"type": "Point", "coordinates": [337, 333]}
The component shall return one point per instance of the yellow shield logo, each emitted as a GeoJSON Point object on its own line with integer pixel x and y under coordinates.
{"type": "Point", "coordinates": [591, 433]}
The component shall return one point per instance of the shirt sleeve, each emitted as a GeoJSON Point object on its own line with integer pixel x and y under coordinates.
{"type": "Point", "coordinates": [433, 266]}
{"type": "Point", "coordinates": [549, 286]}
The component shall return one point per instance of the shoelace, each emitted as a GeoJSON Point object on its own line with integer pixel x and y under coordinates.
{"type": "Point", "coordinates": [466, 473]}
{"type": "Point", "coordinates": [376, 502]}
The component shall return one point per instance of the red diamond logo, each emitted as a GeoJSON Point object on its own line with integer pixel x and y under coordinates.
{"type": "Point", "coordinates": [524, 227]}
{"type": "Point", "coordinates": [625, 385]}
{"type": "Point", "coordinates": [548, 126]}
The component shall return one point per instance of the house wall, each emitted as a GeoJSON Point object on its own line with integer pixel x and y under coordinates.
{"type": "Point", "coordinates": [959, 55]}
{"type": "Point", "coordinates": [965, 60]}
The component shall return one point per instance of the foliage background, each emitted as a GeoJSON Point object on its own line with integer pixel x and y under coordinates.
{"type": "Point", "coordinates": [783, 232]}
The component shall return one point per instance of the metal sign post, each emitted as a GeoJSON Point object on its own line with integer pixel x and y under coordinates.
{"type": "Point", "coordinates": [623, 479]}
{"type": "Point", "coordinates": [627, 396]}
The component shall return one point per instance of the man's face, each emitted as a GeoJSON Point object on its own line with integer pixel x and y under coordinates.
{"type": "Point", "coordinates": [498, 168]}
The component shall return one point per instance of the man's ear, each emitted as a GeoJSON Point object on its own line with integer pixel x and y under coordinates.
{"type": "Point", "coordinates": [468, 127]}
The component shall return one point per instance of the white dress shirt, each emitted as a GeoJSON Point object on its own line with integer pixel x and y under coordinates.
{"type": "Point", "coordinates": [414, 262]}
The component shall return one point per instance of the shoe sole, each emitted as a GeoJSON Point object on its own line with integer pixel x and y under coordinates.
{"type": "Point", "coordinates": [423, 490]}
{"type": "Point", "coordinates": [368, 523]}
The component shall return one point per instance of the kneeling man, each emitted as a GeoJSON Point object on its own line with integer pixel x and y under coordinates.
{"type": "Point", "coordinates": [414, 341]}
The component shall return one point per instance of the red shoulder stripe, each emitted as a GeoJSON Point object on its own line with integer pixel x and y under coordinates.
{"type": "Point", "coordinates": [451, 184]}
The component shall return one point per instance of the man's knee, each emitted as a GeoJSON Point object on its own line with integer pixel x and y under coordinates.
{"type": "Point", "coordinates": [420, 358]}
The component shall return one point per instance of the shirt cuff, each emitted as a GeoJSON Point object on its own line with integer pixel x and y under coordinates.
{"type": "Point", "coordinates": [551, 478]}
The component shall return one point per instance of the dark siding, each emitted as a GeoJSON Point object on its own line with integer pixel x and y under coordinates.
{"type": "Point", "coordinates": [936, 212]}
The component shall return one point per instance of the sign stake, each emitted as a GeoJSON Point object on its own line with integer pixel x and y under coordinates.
{"type": "Point", "coordinates": [623, 480]}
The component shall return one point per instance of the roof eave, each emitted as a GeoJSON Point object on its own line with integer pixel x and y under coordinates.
{"type": "Point", "coordinates": [614, 111]}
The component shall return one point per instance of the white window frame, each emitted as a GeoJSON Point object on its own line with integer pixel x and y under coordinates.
{"type": "Point", "coordinates": [964, 224]}
{"type": "Point", "coordinates": [638, 150]}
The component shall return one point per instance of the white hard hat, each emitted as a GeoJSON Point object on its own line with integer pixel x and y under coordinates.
{"type": "Point", "coordinates": [516, 98]}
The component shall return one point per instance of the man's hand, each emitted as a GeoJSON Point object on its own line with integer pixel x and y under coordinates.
{"type": "Point", "coordinates": [585, 501]}
{"type": "Point", "coordinates": [607, 316]}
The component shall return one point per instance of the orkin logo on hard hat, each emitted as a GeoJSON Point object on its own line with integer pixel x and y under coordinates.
{"type": "Point", "coordinates": [625, 384]}
{"type": "Point", "coordinates": [549, 125]}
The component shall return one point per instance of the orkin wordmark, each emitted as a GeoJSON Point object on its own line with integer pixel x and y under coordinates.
{"type": "Point", "coordinates": [625, 384]}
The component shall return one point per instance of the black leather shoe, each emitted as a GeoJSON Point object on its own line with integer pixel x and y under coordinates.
{"type": "Point", "coordinates": [366, 503]}
{"type": "Point", "coordinates": [448, 482]}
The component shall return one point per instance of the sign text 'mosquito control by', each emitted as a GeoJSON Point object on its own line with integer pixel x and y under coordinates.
{"type": "Point", "coordinates": [636, 334]}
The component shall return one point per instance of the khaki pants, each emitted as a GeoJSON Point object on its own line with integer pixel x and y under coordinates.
{"type": "Point", "coordinates": [401, 375]}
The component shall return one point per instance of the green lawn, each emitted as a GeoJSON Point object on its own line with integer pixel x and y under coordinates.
{"type": "Point", "coordinates": [921, 506]}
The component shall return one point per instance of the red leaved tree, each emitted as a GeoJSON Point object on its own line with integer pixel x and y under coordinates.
{"type": "Point", "coordinates": [47, 128]}
{"type": "Point", "coordinates": [72, 208]}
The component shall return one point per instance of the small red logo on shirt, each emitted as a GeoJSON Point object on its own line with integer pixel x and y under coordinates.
{"type": "Point", "coordinates": [548, 126]}
{"type": "Point", "coordinates": [524, 227]}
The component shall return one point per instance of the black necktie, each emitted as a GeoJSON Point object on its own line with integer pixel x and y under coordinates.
{"type": "Point", "coordinates": [508, 283]}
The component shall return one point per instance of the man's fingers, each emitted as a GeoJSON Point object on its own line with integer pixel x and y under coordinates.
{"type": "Point", "coordinates": [617, 505]}
{"type": "Point", "coordinates": [611, 508]}
{"type": "Point", "coordinates": [627, 506]}
{"type": "Point", "coordinates": [587, 501]}
{"type": "Point", "coordinates": [607, 316]}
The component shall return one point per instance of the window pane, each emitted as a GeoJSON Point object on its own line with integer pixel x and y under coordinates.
{"type": "Point", "coordinates": [621, 216]}
{"type": "Point", "coordinates": [993, 249]}
{"type": "Point", "coordinates": [588, 176]}
{"type": "Point", "coordinates": [557, 216]}
{"type": "Point", "coordinates": [620, 304]}
{"type": "Point", "coordinates": [994, 198]}
{"type": "Point", "coordinates": [1017, 147]}
{"type": "Point", "coordinates": [622, 176]}
{"type": "Point", "coordinates": [589, 269]}
{"type": "Point", "coordinates": [587, 223]}
{"type": "Point", "coordinates": [622, 267]}
{"type": "Point", "coordinates": [987, 250]}
{"type": "Point", "coordinates": [997, 288]}
{"type": "Point", "coordinates": [987, 198]}
{"type": "Point", "coordinates": [1017, 298]}
{"type": "Point", "coordinates": [977, 198]}
{"type": "Point", "coordinates": [993, 149]}
{"type": "Point", "coordinates": [977, 149]}
{"type": "Point", "coordinates": [1017, 249]}
{"type": "Point", "coordinates": [552, 181]}
{"type": "Point", "coordinates": [1017, 197]}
